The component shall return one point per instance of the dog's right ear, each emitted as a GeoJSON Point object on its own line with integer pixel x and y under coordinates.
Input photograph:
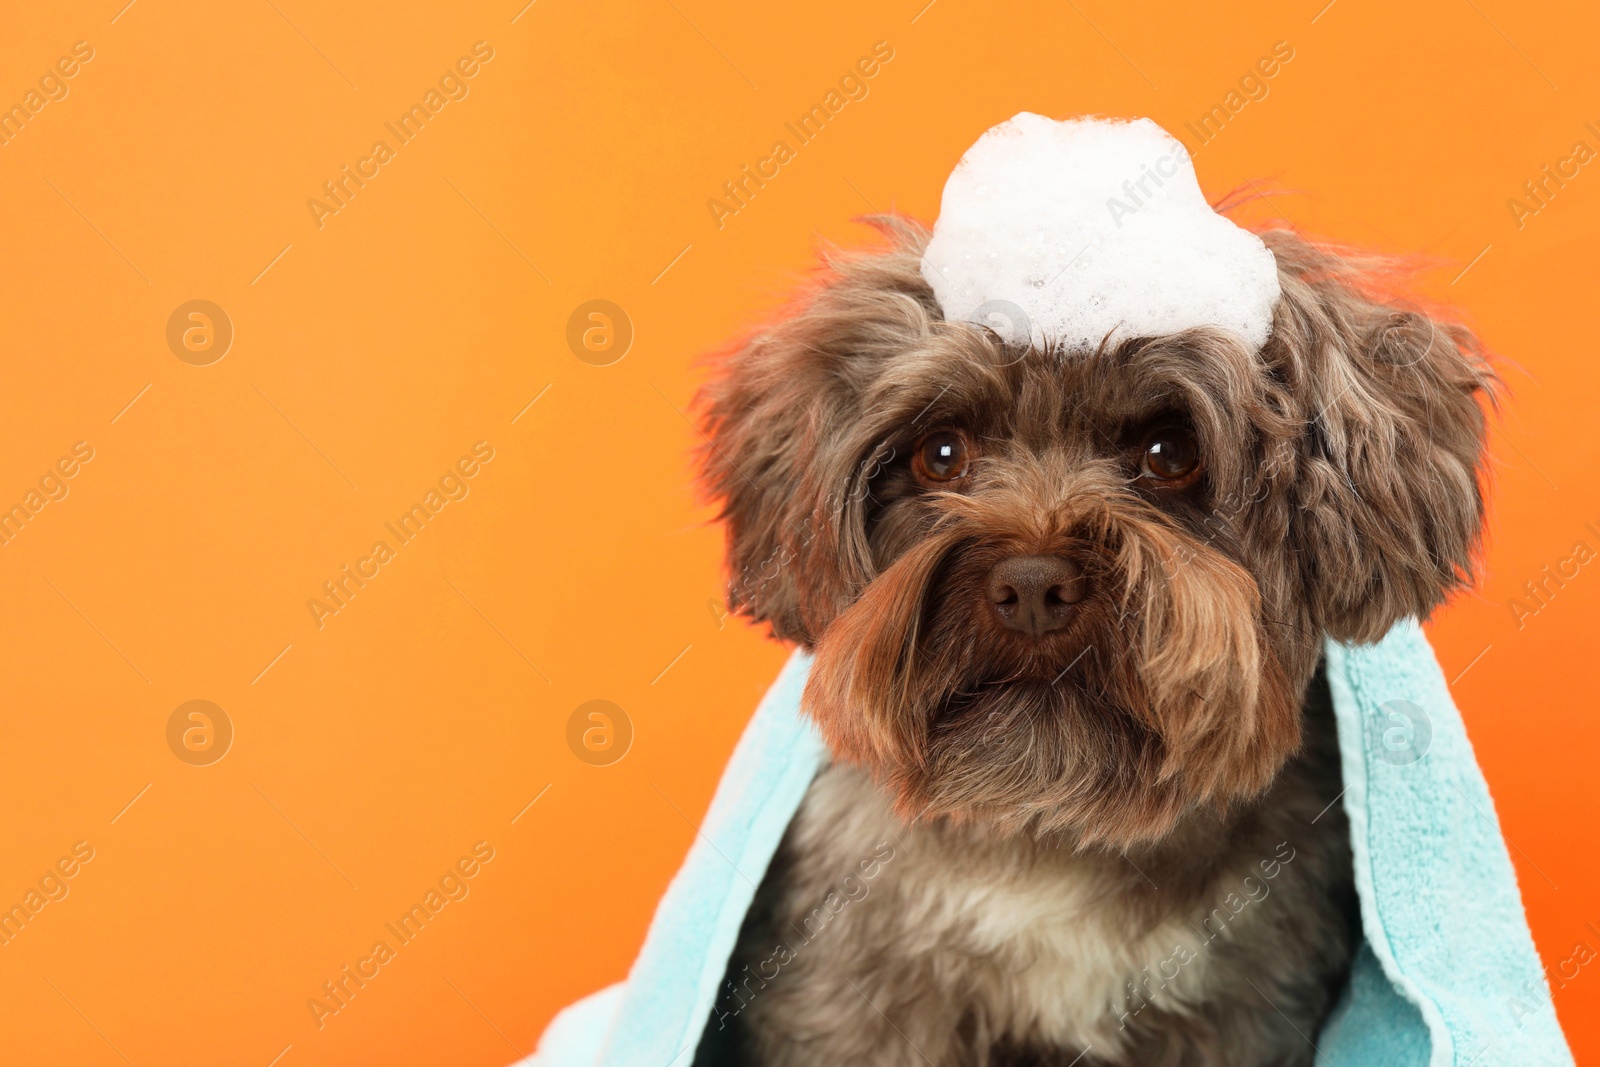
{"type": "Point", "coordinates": [779, 457]}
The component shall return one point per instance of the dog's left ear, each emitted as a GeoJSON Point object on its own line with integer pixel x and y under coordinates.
{"type": "Point", "coordinates": [1385, 502]}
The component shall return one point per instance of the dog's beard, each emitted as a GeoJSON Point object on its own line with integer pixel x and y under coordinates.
{"type": "Point", "coordinates": [1162, 693]}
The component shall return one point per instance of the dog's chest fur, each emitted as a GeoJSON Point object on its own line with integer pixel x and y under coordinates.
{"type": "Point", "coordinates": [876, 942]}
{"type": "Point", "coordinates": [1039, 943]}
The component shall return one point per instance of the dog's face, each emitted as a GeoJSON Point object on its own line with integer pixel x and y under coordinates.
{"type": "Point", "coordinates": [1085, 591]}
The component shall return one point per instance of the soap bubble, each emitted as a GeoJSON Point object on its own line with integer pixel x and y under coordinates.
{"type": "Point", "coordinates": [1163, 260]}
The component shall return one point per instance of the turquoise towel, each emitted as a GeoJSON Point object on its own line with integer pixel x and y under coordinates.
{"type": "Point", "coordinates": [1447, 977]}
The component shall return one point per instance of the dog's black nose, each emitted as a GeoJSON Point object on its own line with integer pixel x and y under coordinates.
{"type": "Point", "coordinates": [1035, 594]}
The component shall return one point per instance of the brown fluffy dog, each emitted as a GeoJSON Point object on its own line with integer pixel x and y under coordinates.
{"type": "Point", "coordinates": [1067, 610]}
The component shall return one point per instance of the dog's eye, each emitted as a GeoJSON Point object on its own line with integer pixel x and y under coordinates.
{"type": "Point", "coordinates": [1170, 454]}
{"type": "Point", "coordinates": [941, 457]}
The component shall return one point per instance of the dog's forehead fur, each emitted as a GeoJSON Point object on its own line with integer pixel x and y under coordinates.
{"type": "Point", "coordinates": [1041, 399]}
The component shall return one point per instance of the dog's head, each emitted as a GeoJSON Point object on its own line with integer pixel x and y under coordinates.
{"type": "Point", "coordinates": [1085, 591]}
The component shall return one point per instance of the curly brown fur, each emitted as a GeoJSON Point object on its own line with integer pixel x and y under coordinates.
{"type": "Point", "coordinates": [1340, 493]}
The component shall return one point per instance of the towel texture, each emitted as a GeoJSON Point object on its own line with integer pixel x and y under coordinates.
{"type": "Point", "coordinates": [1447, 976]}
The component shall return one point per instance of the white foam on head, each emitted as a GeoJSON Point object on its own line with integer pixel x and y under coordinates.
{"type": "Point", "coordinates": [1092, 228]}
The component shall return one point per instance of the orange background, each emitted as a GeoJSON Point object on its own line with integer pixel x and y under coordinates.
{"type": "Point", "coordinates": [372, 352]}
